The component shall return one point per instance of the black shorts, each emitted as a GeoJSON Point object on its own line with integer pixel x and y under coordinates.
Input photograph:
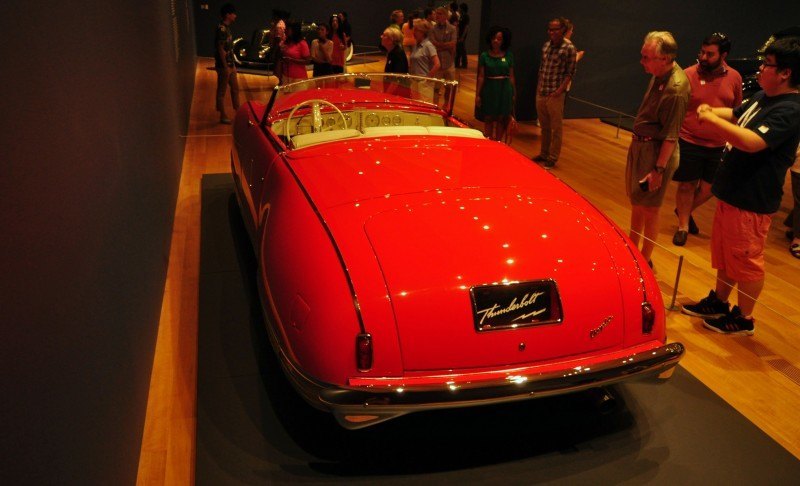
{"type": "Point", "coordinates": [697, 162]}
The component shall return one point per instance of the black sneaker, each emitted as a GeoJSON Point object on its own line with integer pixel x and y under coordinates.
{"type": "Point", "coordinates": [680, 238]}
{"type": "Point", "coordinates": [733, 323]}
{"type": "Point", "coordinates": [710, 307]}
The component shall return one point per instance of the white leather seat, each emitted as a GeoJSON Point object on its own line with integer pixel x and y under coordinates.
{"type": "Point", "coordinates": [306, 139]}
{"type": "Point", "coordinates": [455, 132]}
{"type": "Point", "coordinates": [387, 131]}
{"type": "Point", "coordinates": [417, 130]}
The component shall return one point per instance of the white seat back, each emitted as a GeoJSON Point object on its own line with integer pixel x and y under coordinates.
{"type": "Point", "coordinates": [306, 139]}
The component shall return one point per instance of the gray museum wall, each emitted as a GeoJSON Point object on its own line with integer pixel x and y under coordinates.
{"type": "Point", "coordinates": [97, 96]}
{"type": "Point", "coordinates": [367, 17]}
{"type": "Point", "coordinates": [611, 33]}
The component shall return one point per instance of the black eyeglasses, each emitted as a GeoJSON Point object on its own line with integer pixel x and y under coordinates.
{"type": "Point", "coordinates": [765, 64]}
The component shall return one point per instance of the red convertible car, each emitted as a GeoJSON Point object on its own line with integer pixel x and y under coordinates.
{"type": "Point", "coordinates": [406, 263]}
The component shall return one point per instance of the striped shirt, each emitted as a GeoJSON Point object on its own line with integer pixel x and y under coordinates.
{"type": "Point", "coordinates": [558, 63]}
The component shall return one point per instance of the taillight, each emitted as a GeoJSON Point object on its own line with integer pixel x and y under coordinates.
{"type": "Point", "coordinates": [648, 318]}
{"type": "Point", "coordinates": [364, 352]}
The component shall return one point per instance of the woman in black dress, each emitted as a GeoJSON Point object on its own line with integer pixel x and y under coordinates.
{"type": "Point", "coordinates": [396, 61]}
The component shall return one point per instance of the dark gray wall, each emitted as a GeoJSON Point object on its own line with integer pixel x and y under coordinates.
{"type": "Point", "coordinates": [611, 32]}
{"type": "Point", "coordinates": [96, 97]}
{"type": "Point", "coordinates": [367, 17]}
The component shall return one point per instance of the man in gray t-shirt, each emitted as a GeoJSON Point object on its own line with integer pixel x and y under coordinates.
{"type": "Point", "coordinates": [443, 37]}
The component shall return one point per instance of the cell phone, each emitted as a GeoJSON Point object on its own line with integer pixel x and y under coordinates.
{"type": "Point", "coordinates": [644, 184]}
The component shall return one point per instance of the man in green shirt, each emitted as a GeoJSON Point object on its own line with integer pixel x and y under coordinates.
{"type": "Point", "coordinates": [653, 153]}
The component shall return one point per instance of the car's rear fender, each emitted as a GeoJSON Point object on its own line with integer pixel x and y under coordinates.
{"type": "Point", "coordinates": [307, 288]}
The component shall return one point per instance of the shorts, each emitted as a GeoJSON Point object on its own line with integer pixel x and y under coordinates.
{"type": "Point", "coordinates": [448, 74]}
{"type": "Point", "coordinates": [737, 242]}
{"type": "Point", "coordinates": [697, 162]}
{"type": "Point", "coordinates": [641, 160]}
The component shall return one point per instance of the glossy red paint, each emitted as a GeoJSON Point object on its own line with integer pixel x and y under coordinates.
{"type": "Point", "coordinates": [386, 236]}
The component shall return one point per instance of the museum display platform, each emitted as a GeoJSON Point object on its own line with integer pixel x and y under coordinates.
{"type": "Point", "coordinates": [252, 428]}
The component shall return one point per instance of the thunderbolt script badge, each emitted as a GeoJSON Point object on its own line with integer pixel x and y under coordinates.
{"type": "Point", "coordinates": [597, 330]}
{"type": "Point", "coordinates": [526, 301]}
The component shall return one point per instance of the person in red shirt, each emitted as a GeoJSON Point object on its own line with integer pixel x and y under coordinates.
{"type": "Point", "coordinates": [296, 55]}
{"type": "Point", "coordinates": [714, 83]}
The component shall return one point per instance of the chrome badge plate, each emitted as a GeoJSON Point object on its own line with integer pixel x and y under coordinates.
{"type": "Point", "coordinates": [509, 306]}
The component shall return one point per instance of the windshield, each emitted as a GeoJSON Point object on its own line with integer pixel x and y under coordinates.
{"type": "Point", "coordinates": [360, 89]}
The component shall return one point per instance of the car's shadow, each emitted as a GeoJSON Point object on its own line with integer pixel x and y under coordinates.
{"type": "Point", "coordinates": [416, 443]}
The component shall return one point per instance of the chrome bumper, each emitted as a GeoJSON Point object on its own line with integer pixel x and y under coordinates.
{"type": "Point", "coordinates": [355, 408]}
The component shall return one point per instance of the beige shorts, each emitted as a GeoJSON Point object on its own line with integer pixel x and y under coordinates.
{"type": "Point", "coordinates": [642, 158]}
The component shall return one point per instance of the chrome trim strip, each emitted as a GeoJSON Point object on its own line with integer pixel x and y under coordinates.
{"type": "Point", "coordinates": [387, 404]}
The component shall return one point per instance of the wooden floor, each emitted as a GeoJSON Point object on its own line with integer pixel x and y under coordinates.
{"type": "Point", "coordinates": [759, 375]}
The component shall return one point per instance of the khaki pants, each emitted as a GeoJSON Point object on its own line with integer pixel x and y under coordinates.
{"type": "Point", "coordinates": [448, 74]}
{"type": "Point", "coordinates": [223, 81]}
{"type": "Point", "coordinates": [551, 115]}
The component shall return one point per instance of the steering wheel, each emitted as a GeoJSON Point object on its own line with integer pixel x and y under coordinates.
{"type": "Point", "coordinates": [316, 116]}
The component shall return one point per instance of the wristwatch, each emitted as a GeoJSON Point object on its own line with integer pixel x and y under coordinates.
{"type": "Point", "coordinates": [659, 169]}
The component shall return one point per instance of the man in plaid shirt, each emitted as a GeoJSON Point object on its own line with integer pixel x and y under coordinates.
{"type": "Point", "coordinates": [556, 71]}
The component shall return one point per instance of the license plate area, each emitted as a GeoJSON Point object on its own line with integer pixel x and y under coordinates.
{"type": "Point", "coordinates": [510, 306]}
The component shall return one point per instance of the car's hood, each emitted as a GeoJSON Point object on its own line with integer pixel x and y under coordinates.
{"type": "Point", "coordinates": [430, 224]}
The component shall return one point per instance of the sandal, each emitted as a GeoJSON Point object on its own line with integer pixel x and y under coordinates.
{"type": "Point", "coordinates": [795, 250]}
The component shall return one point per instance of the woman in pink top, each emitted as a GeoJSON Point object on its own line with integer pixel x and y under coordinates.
{"type": "Point", "coordinates": [408, 34]}
{"type": "Point", "coordinates": [340, 42]}
{"type": "Point", "coordinates": [296, 55]}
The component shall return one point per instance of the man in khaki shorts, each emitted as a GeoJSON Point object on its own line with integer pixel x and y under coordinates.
{"type": "Point", "coordinates": [653, 153]}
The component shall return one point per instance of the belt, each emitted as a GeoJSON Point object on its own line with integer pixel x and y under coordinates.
{"type": "Point", "coordinates": [640, 138]}
{"type": "Point", "coordinates": [498, 77]}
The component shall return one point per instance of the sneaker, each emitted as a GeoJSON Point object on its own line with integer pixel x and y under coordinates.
{"type": "Point", "coordinates": [710, 307]}
{"type": "Point", "coordinates": [733, 323]}
{"type": "Point", "coordinates": [680, 238]}
{"type": "Point", "coordinates": [225, 121]}
{"type": "Point", "coordinates": [539, 158]}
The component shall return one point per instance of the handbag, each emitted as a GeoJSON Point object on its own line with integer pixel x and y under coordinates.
{"type": "Point", "coordinates": [478, 113]}
{"type": "Point", "coordinates": [511, 129]}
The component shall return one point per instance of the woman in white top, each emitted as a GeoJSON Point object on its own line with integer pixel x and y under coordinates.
{"type": "Point", "coordinates": [321, 50]}
{"type": "Point", "coordinates": [423, 61]}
